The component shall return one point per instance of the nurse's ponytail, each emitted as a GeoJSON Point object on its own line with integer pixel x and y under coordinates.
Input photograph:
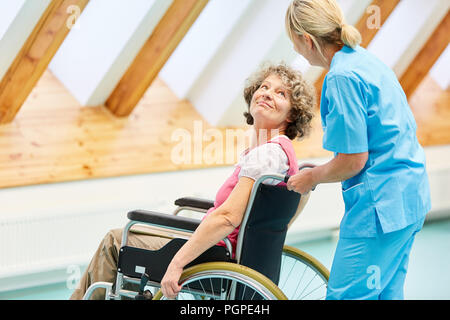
{"type": "Point", "coordinates": [323, 21]}
{"type": "Point", "coordinates": [350, 36]}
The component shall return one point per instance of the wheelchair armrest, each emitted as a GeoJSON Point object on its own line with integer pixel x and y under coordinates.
{"type": "Point", "coordinates": [194, 203]}
{"type": "Point", "coordinates": [164, 220]}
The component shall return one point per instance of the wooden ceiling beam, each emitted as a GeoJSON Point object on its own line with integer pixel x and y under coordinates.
{"type": "Point", "coordinates": [367, 29]}
{"type": "Point", "coordinates": [155, 52]}
{"type": "Point", "coordinates": [426, 57]}
{"type": "Point", "coordinates": [35, 55]}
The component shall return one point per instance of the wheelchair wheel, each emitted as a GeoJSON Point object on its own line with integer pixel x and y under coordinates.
{"type": "Point", "coordinates": [302, 277]}
{"type": "Point", "coordinates": [225, 281]}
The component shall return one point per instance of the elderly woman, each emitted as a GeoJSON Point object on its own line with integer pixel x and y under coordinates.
{"type": "Point", "coordinates": [280, 105]}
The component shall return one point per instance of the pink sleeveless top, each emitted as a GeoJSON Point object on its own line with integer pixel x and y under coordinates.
{"type": "Point", "coordinates": [231, 182]}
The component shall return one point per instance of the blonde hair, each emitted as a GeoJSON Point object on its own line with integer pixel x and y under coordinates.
{"type": "Point", "coordinates": [323, 21]}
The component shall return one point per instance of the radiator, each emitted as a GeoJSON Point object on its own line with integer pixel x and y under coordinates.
{"type": "Point", "coordinates": [35, 243]}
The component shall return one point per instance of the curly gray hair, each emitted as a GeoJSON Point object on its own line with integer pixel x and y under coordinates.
{"type": "Point", "coordinates": [302, 97]}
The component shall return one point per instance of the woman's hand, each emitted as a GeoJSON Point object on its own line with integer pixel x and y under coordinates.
{"type": "Point", "coordinates": [169, 283]}
{"type": "Point", "coordinates": [215, 227]}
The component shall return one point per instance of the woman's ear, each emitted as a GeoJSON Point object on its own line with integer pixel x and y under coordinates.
{"type": "Point", "coordinates": [288, 122]}
{"type": "Point", "coordinates": [308, 41]}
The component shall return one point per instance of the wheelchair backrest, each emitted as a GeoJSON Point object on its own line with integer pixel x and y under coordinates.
{"type": "Point", "coordinates": [263, 231]}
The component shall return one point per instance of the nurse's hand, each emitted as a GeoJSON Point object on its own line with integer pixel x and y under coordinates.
{"type": "Point", "coordinates": [302, 182]}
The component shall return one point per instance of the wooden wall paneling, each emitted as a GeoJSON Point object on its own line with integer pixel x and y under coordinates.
{"type": "Point", "coordinates": [54, 139]}
{"type": "Point", "coordinates": [34, 57]}
{"type": "Point", "coordinates": [430, 105]}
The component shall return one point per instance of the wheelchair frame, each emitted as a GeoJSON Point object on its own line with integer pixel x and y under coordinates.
{"type": "Point", "coordinates": [117, 291]}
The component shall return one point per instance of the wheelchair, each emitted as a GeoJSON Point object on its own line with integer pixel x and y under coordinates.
{"type": "Point", "coordinates": [263, 268]}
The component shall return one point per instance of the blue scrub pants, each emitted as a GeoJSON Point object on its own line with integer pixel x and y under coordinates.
{"type": "Point", "coordinates": [372, 268]}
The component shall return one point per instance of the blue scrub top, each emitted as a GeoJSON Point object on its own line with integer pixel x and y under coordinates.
{"type": "Point", "coordinates": [363, 108]}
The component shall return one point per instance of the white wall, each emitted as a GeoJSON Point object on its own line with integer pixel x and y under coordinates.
{"type": "Point", "coordinates": [8, 12]}
{"type": "Point", "coordinates": [441, 70]}
{"type": "Point", "coordinates": [48, 227]}
{"type": "Point", "coordinates": [281, 50]}
{"type": "Point", "coordinates": [240, 54]}
{"type": "Point", "coordinates": [233, 115]}
{"type": "Point", "coordinates": [227, 43]}
{"type": "Point", "coordinates": [103, 43]}
{"type": "Point", "coordinates": [18, 21]}
{"type": "Point", "coordinates": [258, 34]}
{"type": "Point", "coordinates": [406, 30]}
{"type": "Point", "coordinates": [203, 40]}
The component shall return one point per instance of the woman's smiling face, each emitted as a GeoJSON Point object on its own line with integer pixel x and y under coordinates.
{"type": "Point", "coordinates": [270, 105]}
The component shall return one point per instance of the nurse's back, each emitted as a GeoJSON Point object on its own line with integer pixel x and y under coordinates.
{"type": "Point", "coordinates": [396, 164]}
{"type": "Point", "coordinates": [390, 122]}
{"type": "Point", "coordinates": [369, 126]}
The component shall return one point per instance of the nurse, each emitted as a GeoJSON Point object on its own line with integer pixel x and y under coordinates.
{"type": "Point", "coordinates": [368, 124]}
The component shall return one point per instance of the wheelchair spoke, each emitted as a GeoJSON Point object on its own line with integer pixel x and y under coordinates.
{"type": "Point", "coordinates": [303, 274]}
{"type": "Point", "coordinates": [212, 287]}
{"type": "Point", "coordinates": [289, 274]}
{"type": "Point", "coordinates": [223, 291]}
{"type": "Point", "coordinates": [300, 281]}
{"type": "Point", "coordinates": [312, 291]}
{"type": "Point", "coordinates": [190, 292]}
{"type": "Point", "coordinates": [308, 283]}
{"type": "Point", "coordinates": [315, 275]}
{"type": "Point", "coordinates": [302, 277]}
{"type": "Point", "coordinates": [243, 292]}
{"type": "Point", "coordinates": [232, 286]}
{"type": "Point", "coordinates": [204, 291]}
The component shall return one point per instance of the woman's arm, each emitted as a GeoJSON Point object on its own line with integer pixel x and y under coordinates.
{"type": "Point", "coordinates": [214, 228]}
{"type": "Point", "coordinates": [340, 168]}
